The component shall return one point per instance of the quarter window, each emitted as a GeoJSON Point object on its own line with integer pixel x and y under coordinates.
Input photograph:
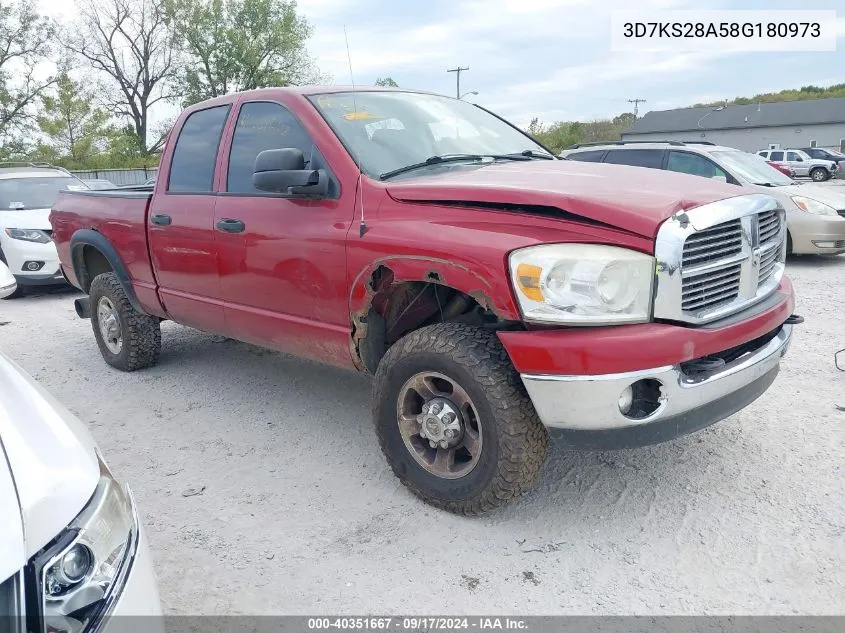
{"type": "Point", "coordinates": [593, 156]}
{"type": "Point", "coordinates": [195, 154]}
{"type": "Point", "coordinates": [652, 158]}
{"type": "Point", "coordinates": [262, 125]}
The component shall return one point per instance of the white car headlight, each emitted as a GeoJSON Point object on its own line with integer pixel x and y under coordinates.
{"type": "Point", "coordinates": [582, 284]}
{"type": "Point", "coordinates": [813, 206]}
{"type": "Point", "coordinates": [82, 573]}
{"type": "Point", "coordinates": [29, 235]}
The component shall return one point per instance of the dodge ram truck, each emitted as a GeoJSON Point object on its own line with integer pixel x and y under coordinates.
{"type": "Point", "coordinates": [499, 295]}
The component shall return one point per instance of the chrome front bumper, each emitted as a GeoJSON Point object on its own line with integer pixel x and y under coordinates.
{"type": "Point", "coordinates": [585, 409]}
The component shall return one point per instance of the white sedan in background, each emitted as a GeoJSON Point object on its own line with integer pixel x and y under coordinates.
{"type": "Point", "coordinates": [72, 551]}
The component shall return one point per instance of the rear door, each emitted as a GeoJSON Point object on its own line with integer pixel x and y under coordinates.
{"type": "Point", "coordinates": [283, 259]}
{"type": "Point", "coordinates": [181, 223]}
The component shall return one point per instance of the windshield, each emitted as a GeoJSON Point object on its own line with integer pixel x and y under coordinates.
{"type": "Point", "coordinates": [34, 193]}
{"type": "Point", "coordinates": [836, 153]}
{"type": "Point", "coordinates": [751, 168]}
{"type": "Point", "coordinates": [386, 131]}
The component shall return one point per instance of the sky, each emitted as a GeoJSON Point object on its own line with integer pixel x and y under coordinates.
{"type": "Point", "coordinates": [549, 59]}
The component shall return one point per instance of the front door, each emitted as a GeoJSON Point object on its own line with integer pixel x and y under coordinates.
{"type": "Point", "coordinates": [181, 225]}
{"type": "Point", "coordinates": [798, 164]}
{"type": "Point", "coordinates": [282, 260]}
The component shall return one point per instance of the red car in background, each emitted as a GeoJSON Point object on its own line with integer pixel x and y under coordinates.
{"type": "Point", "coordinates": [785, 169]}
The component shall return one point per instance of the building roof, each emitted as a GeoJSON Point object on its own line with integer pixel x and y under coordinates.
{"type": "Point", "coordinates": [809, 112]}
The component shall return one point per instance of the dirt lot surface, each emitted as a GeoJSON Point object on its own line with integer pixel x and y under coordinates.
{"type": "Point", "coordinates": [298, 513]}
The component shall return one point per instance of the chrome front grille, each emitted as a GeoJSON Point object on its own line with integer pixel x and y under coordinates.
{"type": "Point", "coordinates": [711, 288]}
{"type": "Point", "coordinates": [719, 258]}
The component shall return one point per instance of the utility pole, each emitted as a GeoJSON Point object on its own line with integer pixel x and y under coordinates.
{"type": "Point", "coordinates": [636, 103]}
{"type": "Point", "coordinates": [458, 72]}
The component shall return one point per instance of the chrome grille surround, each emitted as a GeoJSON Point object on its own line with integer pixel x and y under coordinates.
{"type": "Point", "coordinates": [719, 258]}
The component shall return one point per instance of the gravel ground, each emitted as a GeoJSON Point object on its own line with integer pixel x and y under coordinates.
{"type": "Point", "coordinates": [299, 514]}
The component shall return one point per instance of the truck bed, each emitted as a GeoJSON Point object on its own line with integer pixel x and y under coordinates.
{"type": "Point", "coordinates": [120, 216]}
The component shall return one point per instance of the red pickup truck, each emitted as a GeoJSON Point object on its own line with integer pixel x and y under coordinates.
{"type": "Point", "coordinates": [498, 294]}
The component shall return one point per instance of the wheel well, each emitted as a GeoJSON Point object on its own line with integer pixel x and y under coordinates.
{"type": "Point", "coordinates": [398, 308]}
{"type": "Point", "coordinates": [788, 242]}
{"type": "Point", "coordinates": [93, 263]}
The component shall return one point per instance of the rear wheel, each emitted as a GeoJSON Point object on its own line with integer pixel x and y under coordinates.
{"type": "Point", "coordinates": [454, 420]}
{"type": "Point", "coordinates": [128, 340]}
{"type": "Point", "coordinates": [819, 174]}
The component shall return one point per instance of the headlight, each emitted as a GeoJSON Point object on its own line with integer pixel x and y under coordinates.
{"type": "Point", "coordinates": [28, 235]}
{"type": "Point", "coordinates": [82, 573]}
{"type": "Point", "coordinates": [813, 206]}
{"type": "Point", "coordinates": [582, 284]}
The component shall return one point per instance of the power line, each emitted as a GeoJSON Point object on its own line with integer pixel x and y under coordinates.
{"type": "Point", "coordinates": [458, 72]}
{"type": "Point", "coordinates": [636, 103]}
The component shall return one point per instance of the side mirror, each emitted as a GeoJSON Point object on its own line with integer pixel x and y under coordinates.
{"type": "Point", "coordinates": [283, 171]}
{"type": "Point", "coordinates": [798, 159]}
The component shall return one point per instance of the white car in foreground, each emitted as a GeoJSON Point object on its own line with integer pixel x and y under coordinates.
{"type": "Point", "coordinates": [72, 551]}
{"type": "Point", "coordinates": [26, 194]}
{"type": "Point", "coordinates": [8, 285]}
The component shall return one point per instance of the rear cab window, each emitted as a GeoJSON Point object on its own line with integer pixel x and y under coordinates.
{"type": "Point", "coordinates": [651, 158]}
{"type": "Point", "coordinates": [195, 154]}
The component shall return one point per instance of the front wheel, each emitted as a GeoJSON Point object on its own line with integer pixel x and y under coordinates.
{"type": "Point", "coordinates": [128, 339]}
{"type": "Point", "coordinates": [819, 174]}
{"type": "Point", "coordinates": [454, 420]}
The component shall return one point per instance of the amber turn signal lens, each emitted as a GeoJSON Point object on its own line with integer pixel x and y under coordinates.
{"type": "Point", "coordinates": [528, 279]}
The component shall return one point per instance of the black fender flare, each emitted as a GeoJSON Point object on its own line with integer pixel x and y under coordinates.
{"type": "Point", "coordinates": [90, 237]}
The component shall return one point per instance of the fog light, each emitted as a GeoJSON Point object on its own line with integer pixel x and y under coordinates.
{"type": "Point", "coordinates": [643, 398]}
{"type": "Point", "coordinates": [824, 244]}
{"type": "Point", "coordinates": [626, 399]}
{"type": "Point", "coordinates": [32, 265]}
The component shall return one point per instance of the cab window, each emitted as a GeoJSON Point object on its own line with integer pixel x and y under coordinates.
{"type": "Point", "coordinates": [262, 125]}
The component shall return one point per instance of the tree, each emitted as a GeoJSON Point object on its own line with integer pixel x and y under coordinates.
{"type": "Point", "coordinates": [129, 44]}
{"type": "Point", "coordinates": [25, 41]}
{"type": "Point", "coordinates": [76, 130]}
{"type": "Point", "coordinates": [386, 82]}
{"type": "Point", "coordinates": [233, 45]}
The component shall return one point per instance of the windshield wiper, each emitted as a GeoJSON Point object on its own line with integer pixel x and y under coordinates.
{"type": "Point", "coordinates": [450, 158]}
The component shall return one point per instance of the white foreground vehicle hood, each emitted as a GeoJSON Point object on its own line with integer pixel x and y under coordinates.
{"type": "Point", "coordinates": [48, 467]}
{"type": "Point", "coordinates": [28, 219]}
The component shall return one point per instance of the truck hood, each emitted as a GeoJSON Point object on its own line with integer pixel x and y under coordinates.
{"type": "Point", "coordinates": [634, 199]}
{"type": "Point", "coordinates": [48, 467]}
{"type": "Point", "coordinates": [27, 219]}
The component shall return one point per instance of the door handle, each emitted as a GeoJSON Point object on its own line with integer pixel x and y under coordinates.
{"type": "Point", "coordinates": [228, 225]}
{"type": "Point", "coordinates": [161, 219]}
